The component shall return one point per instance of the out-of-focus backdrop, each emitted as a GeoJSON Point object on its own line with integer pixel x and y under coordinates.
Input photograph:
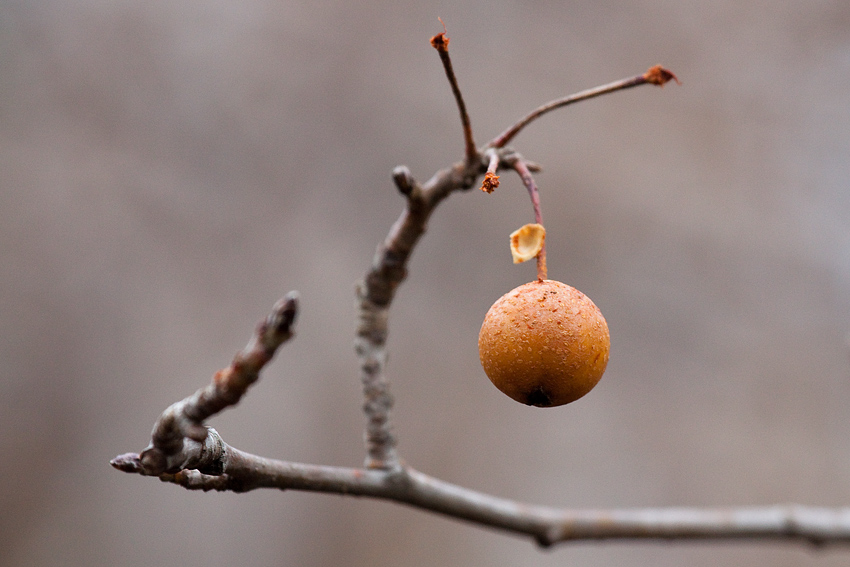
{"type": "Point", "coordinates": [171, 168]}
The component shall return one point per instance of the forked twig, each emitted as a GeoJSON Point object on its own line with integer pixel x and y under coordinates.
{"type": "Point", "coordinates": [179, 439]}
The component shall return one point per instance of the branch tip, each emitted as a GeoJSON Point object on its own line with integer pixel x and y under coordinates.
{"type": "Point", "coordinates": [658, 75]}
{"type": "Point", "coordinates": [403, 180]}
{"type": "Point", "coordinates": [284, 313]}
{"type": "Point", "coordinates": [490, 183]}
{"type": "Point", "coordinates": [128, 462]}
{"type": "Point", "coordinates": [440, 42]}
{"type": "Point", "coordinates": [491, 180]}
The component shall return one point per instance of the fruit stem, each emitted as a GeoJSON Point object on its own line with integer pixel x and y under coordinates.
{"type": "Point", "coordinates": [541, 264]}
{"type": "Point", "coordinates": [521, 168]}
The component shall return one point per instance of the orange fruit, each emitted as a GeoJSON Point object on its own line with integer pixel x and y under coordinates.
{"type": "Point", "coordinates": [544, 344]}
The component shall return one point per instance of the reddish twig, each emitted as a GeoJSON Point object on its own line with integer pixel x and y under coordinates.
{"type": "Point", "coordinates": [440, 42]}
{"type": "Point", "coordinates": [518, 163]}
{"type": "Point", "coordinates": [656, 75]}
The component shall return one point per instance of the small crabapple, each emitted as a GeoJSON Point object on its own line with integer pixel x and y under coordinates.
{"type": "Point", "coordinates": [544, 344]}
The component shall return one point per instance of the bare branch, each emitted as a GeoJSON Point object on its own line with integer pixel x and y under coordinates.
{"type": "Point", "coordinates": [241, 472]}
{"type": "Point", "coordinates": [656, 75]}
{"type": "Point", "coordinates": [179, 437]}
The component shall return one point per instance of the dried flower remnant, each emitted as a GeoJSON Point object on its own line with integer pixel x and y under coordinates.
{"type": "Point", "coordinates": [490, 183]}
{"type": "Point", "coordinates": [527, 242]}
{"type": "Point", "coordinates": [440, 42]}
{"type": "Point", "coordinates": [658, 75]}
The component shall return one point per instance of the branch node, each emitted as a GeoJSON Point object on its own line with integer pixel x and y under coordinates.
{"type": "Point", "coordinates": [152, 462]}
{"type": "Point", "coordinates": [212, 460]}
{"type": "Point", "coordinates": [548, 537]}
{"type": "Point", "coordinates": [405, 182]}
{"type": "Point", "coordinates": [195, 432]}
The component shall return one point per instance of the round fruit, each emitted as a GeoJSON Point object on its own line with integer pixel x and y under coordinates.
{"type": "Point", "coordinates": [544, 344]}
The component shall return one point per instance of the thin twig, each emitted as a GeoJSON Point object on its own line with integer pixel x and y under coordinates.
{"type": "Point", "coordinates": [241, 472]}
{"type": "Point", "coordinates": [440, 42]}
{"type": "Point", "coordinates": [656, 75]}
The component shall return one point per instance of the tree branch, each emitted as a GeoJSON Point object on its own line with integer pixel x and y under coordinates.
{"type": "Point", "coordinates": [185, 452]}
{"type": "Point", "coordinates": [241, 472]}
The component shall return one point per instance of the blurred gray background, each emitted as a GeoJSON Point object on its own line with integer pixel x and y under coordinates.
{"type": "Point", "coordinates": [172, 168]}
